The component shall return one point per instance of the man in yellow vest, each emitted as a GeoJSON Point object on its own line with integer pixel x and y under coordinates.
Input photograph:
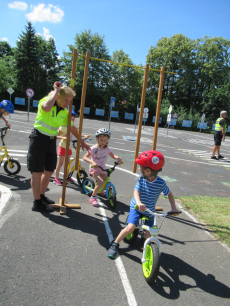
{"type": "Point", "coordinates": [42, 154]}
{"type": "Point", "coordinates": [219, 135]}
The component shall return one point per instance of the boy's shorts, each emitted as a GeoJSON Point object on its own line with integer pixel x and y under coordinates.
{"type": "Point", "coordinates": [135, 215]}
{"type": "Point", "coordinates": [42, 153]}
{"type": "Point", "coordinates": [61, 151]}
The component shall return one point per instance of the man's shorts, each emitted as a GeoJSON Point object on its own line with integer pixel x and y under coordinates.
{"type": "Point", "coordinates": [61, 151]}
{"type": "Point", "coordinates": [217, 138]}
{"type": "Point", "coordinates": [42, 153]}
{"type": "Point", "coordinates": [135, 215]}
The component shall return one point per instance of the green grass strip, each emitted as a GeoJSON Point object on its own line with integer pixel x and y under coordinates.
{"type": "Point", "coordinates": [213, 212]}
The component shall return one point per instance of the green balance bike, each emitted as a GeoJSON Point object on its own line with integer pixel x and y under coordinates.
{"type": "Point", "coordinates": [152, 246]}
{"type": "Point", "coordinates": [111, 193]}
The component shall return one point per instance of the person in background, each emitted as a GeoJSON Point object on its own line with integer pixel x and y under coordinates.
{"type": "Point", "coordinates": [219, 135]}
{"type": "Point", "coordinates": [6, 108]}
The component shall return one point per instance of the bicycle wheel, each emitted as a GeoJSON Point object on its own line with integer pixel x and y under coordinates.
{"type": "Point", "coordinates": [151, 267]}
{"type": "Point", "coordinates": [88, 186]}
{"type": "Point", "coordinates": [16, 167]}
{"type": "Point", "coordinates": [130, 238]}
{"type": "Point", "coordinates": [83, 175]}
{"type": "Point", "coordinates": [112, 197]}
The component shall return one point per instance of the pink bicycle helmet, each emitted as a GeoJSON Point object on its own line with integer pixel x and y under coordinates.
{"type": "Point", "coordinates": [151, 159]}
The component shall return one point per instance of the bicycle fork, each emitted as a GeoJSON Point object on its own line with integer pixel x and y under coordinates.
{"type": "Point", "coordinates": [153, 232]}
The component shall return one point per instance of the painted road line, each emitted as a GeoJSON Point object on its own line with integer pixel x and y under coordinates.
{"type": "Point", "coordinates": [20, 151]}
{"type": "Point", "coordinates": [119, 142]}
{"type": "Point", "coordinates": [121, 269]}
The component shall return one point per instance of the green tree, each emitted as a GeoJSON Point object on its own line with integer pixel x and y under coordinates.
{"type": "Point", "coordinates": [8, 75]}
{"type": "Point", "coordinates": [27, 60]}
{"type": "Point", "coordinates": [99, 72]}
{"type": "Point", "coordinates": [5, 48]}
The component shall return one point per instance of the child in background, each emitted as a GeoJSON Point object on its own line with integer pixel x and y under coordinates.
{"type": "Point", "coordinates": [146, 194]}
{"type": "Point", "coordinates": [99, 153]}
{"type": "Point", "coordinates": [6, 108]}
{"type": "Point", "coordinates": [62, 134]}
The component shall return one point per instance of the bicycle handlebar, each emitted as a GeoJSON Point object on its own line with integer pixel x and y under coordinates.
{"type": "Point", "coordinates": [169, 213]}
{"type": "Point", "coordinates": [85, 139]}
{"type": "Point", "coordinates": [110, 170]}
{"type": "Point", "coordinates": [2, 131]}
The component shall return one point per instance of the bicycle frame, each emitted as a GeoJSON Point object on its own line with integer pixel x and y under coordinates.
{"type": "Point", "coordinates": [6, 154]}
{"type": "Point", "coordinates": [154, 231]}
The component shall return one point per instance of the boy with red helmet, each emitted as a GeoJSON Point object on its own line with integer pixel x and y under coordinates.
{"type": "Point", "coordinates": [146, 194]}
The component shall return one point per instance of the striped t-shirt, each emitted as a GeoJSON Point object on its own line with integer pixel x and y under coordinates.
{"type": "Point", "coordinates": [149, 193]}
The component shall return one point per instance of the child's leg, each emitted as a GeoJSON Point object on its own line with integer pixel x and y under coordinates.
{"type": "Point", "coordinates": [59, 165]}
{"type": "Point", "coordinates": [123, 233]}
{"type": "Point", "coordinates": [100, 180]}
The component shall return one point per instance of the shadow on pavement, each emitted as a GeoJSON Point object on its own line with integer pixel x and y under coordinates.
{"type": "Point", "coordinates": [182, 276]}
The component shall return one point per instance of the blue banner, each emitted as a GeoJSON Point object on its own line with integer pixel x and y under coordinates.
{"type": "Point", "coordinates": [228, 129]}
{"type": "Point", "coordinates": [114, 114]}
{"type": "Point", "coordinates": [100, 112]}
{"type": "Point", "coordinates": [213, 127]}
{"type": "Point", "coordinates": [87, 110]}
{"type": "Point", "coordinates": [172, 122]}
{"type": "Point", "coordinates": [129, 116]}
{"type": "Point", "coordinates": [154, 118]}
{"type": "Point", "coordinates": [202, 125]}
{"type": "Point", "coordinates": [35, 103]}
{"type": "Point", "coordinates": [187, 123]}
{"type": "Point", "coordinates": [20, 101]}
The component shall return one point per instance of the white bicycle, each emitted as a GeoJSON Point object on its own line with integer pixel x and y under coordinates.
{"type": "Point", "coordinates": [152, 246]}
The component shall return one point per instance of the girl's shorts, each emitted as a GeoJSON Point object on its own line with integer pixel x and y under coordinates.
{"type": "Point", "coordinates": [98, 170]}
{"type": "Point", "coordinates": [135, 215]}
{"type": "Point", "coordinates": [61, 151]}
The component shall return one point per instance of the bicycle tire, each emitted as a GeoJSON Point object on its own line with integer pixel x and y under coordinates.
{"type": "Point", "coordinates": [112, 197]}
{"type": "Point", "coordinates": [130, 238]}
{"type": "Point", "coordinates": [16, 167]}
{"type": "Point", "coordinates": [88, 182]}
{"type": "Point", "coordinates": [151, 267]}
{"type": "Point", "coordinates": [80, 179]}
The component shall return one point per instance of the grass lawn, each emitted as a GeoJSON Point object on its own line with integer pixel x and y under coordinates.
{"type": "Point", "coordinates": [214, 212]}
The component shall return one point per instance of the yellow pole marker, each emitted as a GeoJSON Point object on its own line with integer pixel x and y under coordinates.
{"type": "Point", "coordinates": [161, 83]}
{"type": "Point", "coordinates": [141, 116]}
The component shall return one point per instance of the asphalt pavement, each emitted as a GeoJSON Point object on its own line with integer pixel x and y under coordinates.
{"type": "Point", "coordinates": [53, 259]}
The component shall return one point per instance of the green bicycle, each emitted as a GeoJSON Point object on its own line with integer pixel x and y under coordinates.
{"type": "Point", "coordinates": [11, 166]}
{"type": "Point", "coordinates": [152, 246]}
{"type": "Point", "coordinates": [111, 193]}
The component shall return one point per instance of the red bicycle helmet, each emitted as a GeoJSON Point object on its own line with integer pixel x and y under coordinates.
{"type": "Point", "coordinates": [151, 159]}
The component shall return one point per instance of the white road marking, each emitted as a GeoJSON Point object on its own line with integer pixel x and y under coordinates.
{"type": "Point", "coordinates": [118, 261]}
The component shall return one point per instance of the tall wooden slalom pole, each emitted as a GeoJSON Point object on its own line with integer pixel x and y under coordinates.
{"type": "Point", "coordinates": [161, 83]}
{"type": "Point", "coordinates": [141, 116]}
{"type": "Point", "coordinates": [62, 204]}
{"type": "Point", "coordinates": [83, 95]}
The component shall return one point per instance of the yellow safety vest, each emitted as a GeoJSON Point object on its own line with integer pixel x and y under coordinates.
{"type": "Point", "coordinates": [48, 123]}
{"type": "Point", "coordinates": [218, 127]}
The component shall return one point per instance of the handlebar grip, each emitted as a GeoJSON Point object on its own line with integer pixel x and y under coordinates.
{"type": "Point", "coordinates": [170, 213]}
{"type": "Point", "coordinates": [136, 206]}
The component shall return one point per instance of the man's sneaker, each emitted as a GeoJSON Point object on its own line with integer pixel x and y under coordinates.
{"type": "Point", "coordinates": [57, 182]}
{"type": "Point", "coordinates": [41, 206]}
{"type": "Point", "coordinates": [112, 252]}
{"type": "Point", "coordinates": [213, 157]}
{"type": "Point", "coordinates": [46, 200]}
{"type": "Point", "coordinates": [93, 201]}
{"type": "Point", "coordinates": [220, 156]}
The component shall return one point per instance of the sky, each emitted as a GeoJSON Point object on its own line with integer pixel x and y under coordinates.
{"type": "Point", "coordinates": [131, 25]}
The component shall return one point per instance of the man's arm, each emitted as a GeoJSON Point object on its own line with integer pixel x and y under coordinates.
{"type": "Point", "coordinates": [49, 103]}
{"type": "Point", "coordinates": [74, 131]}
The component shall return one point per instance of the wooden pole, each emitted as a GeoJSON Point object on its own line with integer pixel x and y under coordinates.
{"type": "Point", "coordinates": [62, 207]}
{"type": "Point", "coordinates": [161, 83]}
{"type": "Point", "coordinates": [141, 116]}
{"type": "Point", "coordinates": [83, 95]}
